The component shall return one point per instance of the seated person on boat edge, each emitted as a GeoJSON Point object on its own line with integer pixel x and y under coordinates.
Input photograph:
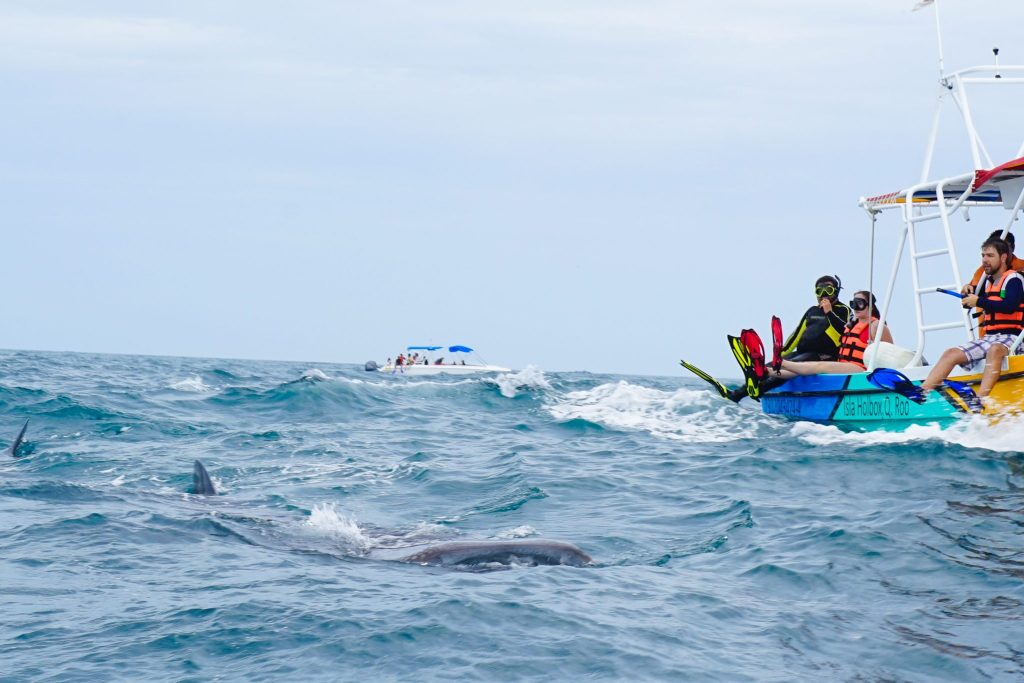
{"type": "Point", "coordinates": [1002, 301]}
{"type": "Point", "coordinates": [856, 336]}
{"type": "Point", "coordinates": [817, 337]}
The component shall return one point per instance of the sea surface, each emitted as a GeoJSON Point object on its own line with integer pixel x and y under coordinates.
{"type": "Point", "coordinates": [728, 546]}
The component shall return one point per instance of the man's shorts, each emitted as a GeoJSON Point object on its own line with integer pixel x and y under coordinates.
{"type": "Point", "coordinates": [977, 349]}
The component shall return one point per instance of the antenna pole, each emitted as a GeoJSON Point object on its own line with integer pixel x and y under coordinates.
{"type": "Point", "coordinates": [938, 31]}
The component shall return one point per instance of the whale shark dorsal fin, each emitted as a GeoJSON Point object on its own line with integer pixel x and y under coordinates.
{"type": "Point", "coordinates": [202, 485]}
{"type": "Point", "coordinates": [13, 450]}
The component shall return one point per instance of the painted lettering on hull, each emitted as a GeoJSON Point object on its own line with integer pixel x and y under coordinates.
{"type": "Point", "coordinates": [874, 407]}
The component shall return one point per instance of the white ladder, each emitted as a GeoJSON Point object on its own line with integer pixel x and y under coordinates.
{"type": "Point", "coordinates": [911, 218]}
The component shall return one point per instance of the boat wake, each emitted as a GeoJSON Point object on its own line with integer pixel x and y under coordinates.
{"type": "Point", "coordinates": [693, 415]}
{"type": "Point", "coordinates": [976, 431]}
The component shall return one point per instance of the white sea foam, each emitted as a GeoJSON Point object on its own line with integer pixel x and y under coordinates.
{"type": "Point", "coordinates": [529, 378]}
{"type": "Point", "coordinates": [519, 532]}
{"type": "Point", "coordinates": [1002, 435]}
{"type": "Point", "coordinates": [314, 375]}
{"type": "Point", "coordinates": [119, 481]}
{"type": "Point", "coordinates": [193, 384]}
{"type": "Point", "coordinates": [325, 519]}
{"type": "Point", "coordinates": [694, 415]}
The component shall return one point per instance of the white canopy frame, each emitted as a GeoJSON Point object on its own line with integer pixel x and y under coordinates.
{"type": "Point", "coordinates": [947, 196]}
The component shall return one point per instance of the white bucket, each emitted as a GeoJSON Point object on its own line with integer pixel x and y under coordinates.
{"type": "Point", "coordinates": [889, 355]}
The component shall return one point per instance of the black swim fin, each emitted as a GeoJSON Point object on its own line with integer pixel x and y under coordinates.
{"type": "Point", "coordinates": [719, 387]}
{"type": "Point", "coordinates": [750, 380]}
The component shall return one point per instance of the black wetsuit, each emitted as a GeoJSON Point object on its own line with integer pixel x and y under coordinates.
{"type": "Point", "coordinates": [817, 335]}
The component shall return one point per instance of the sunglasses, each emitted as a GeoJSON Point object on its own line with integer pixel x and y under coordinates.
{"type": "Point", "coordinates": [826, 290]}
{"type": "Point", "coordinates": [858, 304]}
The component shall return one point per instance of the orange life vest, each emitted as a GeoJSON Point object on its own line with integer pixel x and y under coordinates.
{"type": "Point", "coordinates": [1001, 323]}
{"type": "Point", "coordinates": [854, 343]}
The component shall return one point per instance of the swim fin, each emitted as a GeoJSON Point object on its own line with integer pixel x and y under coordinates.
{"type": "Point", "coordinates": [750, 381]}
{"type": "Point", "coordinates": [966, 394]}
{"type": "Point", "coordinates": [776, 343]}
{"type": "Point", "coordinates": [755, 349]}
{"type": "Point", "coordinates": [896, 381]}
{"type": "Point", "coordinates": [719, 387]}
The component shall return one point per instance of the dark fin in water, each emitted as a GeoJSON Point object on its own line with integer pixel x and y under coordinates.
{"type": "Point", "coordinates": [719, 387]}
{"type": "Point", "coordinates": [776, 343]}
{"type": "Point", "coordinates": [13, 450]}
{"type": "Point", "coordinates": [202, 485]}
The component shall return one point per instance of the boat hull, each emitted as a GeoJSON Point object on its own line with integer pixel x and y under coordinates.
{"type": "Point", "coordinates": [427, 370]}
{"type": "Point", "coordinates": [853, 400]}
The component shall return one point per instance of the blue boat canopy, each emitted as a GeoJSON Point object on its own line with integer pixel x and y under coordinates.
{"type": "Point", "coordinates": [423, 348]}
{"type": "Point", "coordinates": [460, 349]}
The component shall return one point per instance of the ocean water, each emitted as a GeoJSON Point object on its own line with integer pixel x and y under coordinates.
{"type": "Point", "coordinates": [728, 546]}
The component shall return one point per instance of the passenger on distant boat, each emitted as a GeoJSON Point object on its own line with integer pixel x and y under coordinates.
{"type": "Point", "coordinates": [1003, 303]}
{"type": "Point", "coordinates": [854, 342]}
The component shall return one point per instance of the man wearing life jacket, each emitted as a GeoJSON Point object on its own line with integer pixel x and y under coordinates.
{"type": "Point", "coordinates": [1002, 301]}
{"type": "Point", "coordinates": [854, 342]}
{"type": "Point", "coordinates": [976, 285]}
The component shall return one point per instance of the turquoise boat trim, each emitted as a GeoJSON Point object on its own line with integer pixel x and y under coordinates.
{"type": "Point", "coordinates": [851, 398]}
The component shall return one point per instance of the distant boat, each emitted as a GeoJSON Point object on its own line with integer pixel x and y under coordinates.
{"type": "Point", "coordinates": [440, 360]}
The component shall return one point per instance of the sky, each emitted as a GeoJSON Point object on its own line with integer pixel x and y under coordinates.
{"type": "Point", "coordinates": [566, 184]}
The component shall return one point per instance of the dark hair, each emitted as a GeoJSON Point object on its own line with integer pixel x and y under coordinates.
{"type": "Point", "coordinates": [1001, 247]}
{"type": "Point", "coordinates": [871, 299]}
{"type": "Point", "coordinates": [998, 235]}
{"type": "Point", "coordinates": [828, 278]}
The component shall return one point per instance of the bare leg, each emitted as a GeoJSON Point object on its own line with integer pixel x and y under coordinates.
{"type": "Point", "coordinates": [993, 366]}
{"type": "Point", "coordinates": [949, 359]}
{"type": "Point", "coordinates": [819, 368]}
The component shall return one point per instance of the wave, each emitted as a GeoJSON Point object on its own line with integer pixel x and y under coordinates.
{"type": "Point", "coordinates": [324, 519]}
{"type": "Point", "coordinates": [694, 415]}
{"type": "Point", "coordinates": [1003, 435]}
{"type": "Point", "coordinates": [510, 384]}
{"type": "Point", "coordinates": [192, 384]}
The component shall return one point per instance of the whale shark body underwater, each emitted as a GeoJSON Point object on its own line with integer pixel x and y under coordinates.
{"type": "Point", "coordinates": [476, 555]}
{"type": "Point", "coordinates": [462, 554]}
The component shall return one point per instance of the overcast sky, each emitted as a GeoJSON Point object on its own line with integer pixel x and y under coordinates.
{"type": "Point", "coordinates": [575, 185]}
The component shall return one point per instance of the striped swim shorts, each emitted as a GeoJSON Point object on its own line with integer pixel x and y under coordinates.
{"type": "Point", "coordinates": [977, 349]}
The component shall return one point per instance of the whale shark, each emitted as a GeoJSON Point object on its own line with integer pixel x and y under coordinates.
{"type": "Point", "coordinates": [508, 553]}
{"type": "Point", "coordinates": [466, 555]}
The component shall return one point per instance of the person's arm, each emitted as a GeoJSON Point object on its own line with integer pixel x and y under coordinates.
{"type": "Point", "coordinates": [794, 336]}
{"type": "Point", "coordinates": [873, 330]}
{"type": "Point", "coordinates": [1013, 296]}
{"type": "Point", "coordinates": [970, 287]}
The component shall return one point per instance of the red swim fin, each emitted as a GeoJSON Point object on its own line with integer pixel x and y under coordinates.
{"type": "Point", "coordinates": [755, 348]}
{"type": "Point", "coordinates": [776, 343]}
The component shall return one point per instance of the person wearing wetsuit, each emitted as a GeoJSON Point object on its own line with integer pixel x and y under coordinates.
{"type": "Point", "coordinates": [817, 336]}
